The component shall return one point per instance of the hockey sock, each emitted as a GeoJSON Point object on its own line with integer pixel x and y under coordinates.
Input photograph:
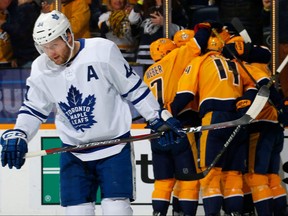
{"type": "Point", "coordinates": [279, 194]}
{"type": "Point", "coordinates": [232, 191]}
{"type": "Point", "coordinates": [175, 200]}
{"type": "Point", "coordinates": [161, 195]}
{"type": "Point", "coordinates": [248, 205]}
{"type": "Point", "coordinates": [211, 192]}
{"type": "Point", "coordinates": [261, 193]}
{"type": "Point", "coordinates": [175, 205]}
{"type": "Point", "coordinates": [188, 195]}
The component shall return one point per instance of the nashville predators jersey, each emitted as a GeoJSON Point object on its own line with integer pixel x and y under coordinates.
{"type": "Point", "coordinates": [162, 77]}
{"type": "Point", "coordinates": [261, 72]}
{"type": "Point", "coordinates": [217, 80]}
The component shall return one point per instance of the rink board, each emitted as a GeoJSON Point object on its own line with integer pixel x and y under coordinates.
{"type": "Point", "coordinates": [34, 189]}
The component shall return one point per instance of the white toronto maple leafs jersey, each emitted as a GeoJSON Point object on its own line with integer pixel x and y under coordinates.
{"type": "Point", "coordinates": [91, 96]}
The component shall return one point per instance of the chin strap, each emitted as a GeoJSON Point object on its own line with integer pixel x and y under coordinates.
{"type": "Point", "coordinates": [71, 47]}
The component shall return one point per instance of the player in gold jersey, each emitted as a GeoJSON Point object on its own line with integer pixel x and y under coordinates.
{"type": "Point", "coordinates": [162, 79]}
{"type": "Point", "coordinates": [266, 140]}
{"type": "Point", "coordinates": [217, 82]}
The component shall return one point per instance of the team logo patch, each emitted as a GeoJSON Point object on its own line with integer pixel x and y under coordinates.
{"type": "Point", "coordinates": [55, 16]}
{"type": "Point", "coordinates": [79, 111]}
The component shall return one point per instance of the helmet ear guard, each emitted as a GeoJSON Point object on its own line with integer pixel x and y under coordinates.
{"type": "Point", "coordinates": [38, 48]}
{"type": "Point", "coordinates": [161, 47]}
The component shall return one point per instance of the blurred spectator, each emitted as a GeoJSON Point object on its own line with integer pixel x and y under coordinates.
{"type": "Point", "coordinates": [266, 12]}
{"type": "Point", "coordinates": [192, 6]}
{"type": "Point", "coordinates": [78, 14]}
{"type": "Point", "coordinates": [249, 12]}
{"type": "Point", "coordinates": [283, 43]}
{"type": "Point", "coordinates": [115, 26]}
{"type": "Point", "coordinates": [149, 14]}
{"type": "Point", "coordinates": [5, 43]}
{"type": "Point", "coordinates": [45, 5]}
{"type": "Point", "coordinates": [282, 36]}
{"type": "Point", "coordinates": [96, 9]}
{"type": "Point", "coordinates": [20, 27]}
{"type": "Point", "coordinates": [266, 23]}
{"type": "Point", "coordinates": [203, 13]}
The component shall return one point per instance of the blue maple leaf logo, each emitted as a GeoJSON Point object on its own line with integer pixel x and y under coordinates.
{"type": "Point", "coordinates": [55, 16]}
{"type": "Point", "coordinates": [80, 114]}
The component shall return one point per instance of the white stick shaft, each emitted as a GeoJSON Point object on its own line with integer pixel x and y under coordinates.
{"type": "Point", "coordinates": [282, 65]}
{"type": "Point", "coordinates": [241, 30]}
{"type": "Point", "coordinates": [259, 102]}
{"type": "Point", "coordinates": [94, 144]}
{"type": "Point", "coordinates": [244, 34]}
{"type": "Point", "coordinates": [35, 154]}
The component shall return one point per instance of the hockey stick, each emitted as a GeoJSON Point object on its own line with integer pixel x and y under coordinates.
{"type": "Point", "coordinates": [251, 114]}
{"type": "Point", "coordinates": [281, 66]}
{"type": "Point", "coordinates": [200, 175]}
{"type": "Point", "coordinates": [237, 24]}
{"type": "Point", "coordinates": [275, 77]}
{"type": "Point", "coordinates": [244, 34]}
{"type": "Point", "coordinates": [259, 102]}
{"type": "Point", "coordinates": [93, 145]}
{"type": "Point", "coordinates": [261, 99]}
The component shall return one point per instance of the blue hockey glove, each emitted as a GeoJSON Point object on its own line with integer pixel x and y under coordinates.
{"type": "Point", "coordinates": [169, 125]}
{"type": "Point", "coordinates": [14, 148]}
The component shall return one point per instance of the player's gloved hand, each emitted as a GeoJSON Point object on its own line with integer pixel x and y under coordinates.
{"type": "Point", "coordinates": [283, 112]}
{"type": "Point", "coordinates": [14, 148]}
{"type": "Point", "coordinates": [242, 105]}
{"type": "Point", "coordinates": [209, 24]}
{"type": "Point", "coordinates": [169, 125]}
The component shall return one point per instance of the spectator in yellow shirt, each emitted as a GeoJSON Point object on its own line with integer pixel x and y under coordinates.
{"type": "Point", "coordinates": [78, 14]}
{"type": "Point", "coordinates": [5, 44]}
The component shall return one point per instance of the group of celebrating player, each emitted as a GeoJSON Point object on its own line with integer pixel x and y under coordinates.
{"type": "Point", "coordinates": [213, 76]}
{"type": "Point", "coordinates": [195, 79]}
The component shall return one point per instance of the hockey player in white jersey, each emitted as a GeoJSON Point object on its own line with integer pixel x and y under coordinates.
{"type": "Point", "coordinates": [90, 84]}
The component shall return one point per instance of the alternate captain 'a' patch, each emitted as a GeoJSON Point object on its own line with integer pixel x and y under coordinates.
{"type": "Point", "coordinates": [79, 112]}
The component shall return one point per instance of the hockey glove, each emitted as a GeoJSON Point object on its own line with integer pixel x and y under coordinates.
{"type": "Point", "coordinates": [209, 25]}
{"type": "Point", "coordinates": [14, 148]}
{"type": "Point", "coordinates": [243, 103]}
{"type": "Point", "coordinates": [169, 125]}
